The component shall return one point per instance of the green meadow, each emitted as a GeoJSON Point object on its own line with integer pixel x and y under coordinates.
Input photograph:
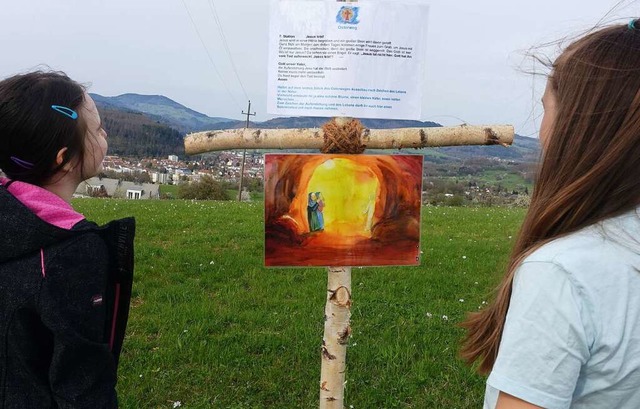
{"type": "Point", "coordinates": [210, 327]}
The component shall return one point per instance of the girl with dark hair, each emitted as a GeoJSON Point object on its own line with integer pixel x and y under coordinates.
{"type": "Point", "coordinates": [65, 283]}
{"type": "Point", "coordinates": [564, 328]}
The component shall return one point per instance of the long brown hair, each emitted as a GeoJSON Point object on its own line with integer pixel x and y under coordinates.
{"type": "Point", "coordinates": [590, 165]}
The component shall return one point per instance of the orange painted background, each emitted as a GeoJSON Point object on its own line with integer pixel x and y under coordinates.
{"type": "Point", "coordinates": [370, 212]}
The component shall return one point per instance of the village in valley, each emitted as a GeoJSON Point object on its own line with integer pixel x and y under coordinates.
{"type": "Point", "coordinates": [148, 159]}
{"type": "Point", "coordinates": [475, 181]}
{"type": "Point", "coordinates": [133, 178]}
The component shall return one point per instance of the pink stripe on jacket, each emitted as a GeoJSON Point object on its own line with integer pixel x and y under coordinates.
{"type": "Point", "coordinates": [46, 205]}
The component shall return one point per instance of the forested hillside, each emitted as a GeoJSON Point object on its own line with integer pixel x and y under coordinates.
{"type": "Point", "coordinates": [162, 109]}
{"type": "Point", "coordinates": [134, 134]}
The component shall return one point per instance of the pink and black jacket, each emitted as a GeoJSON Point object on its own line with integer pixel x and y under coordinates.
{"type": "Point", "coordinates": [65, 289]}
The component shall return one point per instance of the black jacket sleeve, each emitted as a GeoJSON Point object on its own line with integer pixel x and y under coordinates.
{"type": "Point", "coordinates": [73, 306]}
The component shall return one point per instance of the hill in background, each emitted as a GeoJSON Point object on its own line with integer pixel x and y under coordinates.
{"type": "Point", "coordinates": [154, 125]}
{"type": "Point", "coordinates": [161, 109]}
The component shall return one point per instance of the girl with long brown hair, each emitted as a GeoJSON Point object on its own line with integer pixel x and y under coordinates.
{"type": "Point", "coordinates": [564, 328]}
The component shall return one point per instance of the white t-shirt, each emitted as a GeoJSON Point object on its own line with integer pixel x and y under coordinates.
{"type": "Point", "coordinates": [572, 335]}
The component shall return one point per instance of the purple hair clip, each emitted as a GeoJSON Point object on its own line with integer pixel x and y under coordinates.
{"type": "Point", "coordinates": [65, 111]}
{"type": "Point", "coordinates": [22, 163]}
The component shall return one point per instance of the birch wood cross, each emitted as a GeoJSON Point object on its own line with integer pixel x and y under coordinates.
{"type": "Point", "coordinates": [337, 329]}
{"type": "Point", "coordinates": [313, 138]}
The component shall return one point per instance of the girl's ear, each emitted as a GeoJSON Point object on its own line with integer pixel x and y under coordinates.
{"type": "Point", "coordinates": [60, 159]}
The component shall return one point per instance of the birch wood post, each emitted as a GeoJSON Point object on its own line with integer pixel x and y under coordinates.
{"type": "Point", "coordinates": [337, 330]}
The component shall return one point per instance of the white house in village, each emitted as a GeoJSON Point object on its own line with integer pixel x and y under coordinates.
{"type": "Point", "coordinates": [118, 189]}
{"type": "Point", "coordinates": [160, 177]}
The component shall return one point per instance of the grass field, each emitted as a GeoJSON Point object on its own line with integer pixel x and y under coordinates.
{"type": "Point", "coordinates": [210, 327]}
{"type": "Point", "coordinates": [171, 190]}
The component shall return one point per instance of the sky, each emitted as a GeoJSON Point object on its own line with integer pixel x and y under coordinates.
{"type": "Point", "coordinates": [476, 69]}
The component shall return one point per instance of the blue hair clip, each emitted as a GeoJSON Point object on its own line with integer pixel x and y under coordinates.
{"type": "Point", "coordinates": [22, 163]}
{"type": "Point", "coordinates": [632, 24]}
{"type": "Point", "coordinates": [65, 111]}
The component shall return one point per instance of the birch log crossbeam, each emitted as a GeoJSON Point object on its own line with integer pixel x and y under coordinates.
{"type": "Point", "coordinates": [313, 138]}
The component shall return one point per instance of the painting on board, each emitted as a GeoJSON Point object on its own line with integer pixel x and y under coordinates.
{"type": "Point", "coordinates": [342, 210]}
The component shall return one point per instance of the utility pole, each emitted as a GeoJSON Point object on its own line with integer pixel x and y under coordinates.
{"type": "Point", "coordinates": [244, 151]}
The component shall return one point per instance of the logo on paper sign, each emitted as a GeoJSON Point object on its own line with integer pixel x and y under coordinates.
{"type": "Point", "coordinates": [348, 15]}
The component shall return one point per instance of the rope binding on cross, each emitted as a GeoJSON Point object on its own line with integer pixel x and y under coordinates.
{"type": "Point", "coordinates": [343, 139]}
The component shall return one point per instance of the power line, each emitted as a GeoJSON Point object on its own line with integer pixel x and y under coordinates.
{"type": "Point", "coordinates": [209, 54]}
{"type": "Point", "coordinates": [212, 7]}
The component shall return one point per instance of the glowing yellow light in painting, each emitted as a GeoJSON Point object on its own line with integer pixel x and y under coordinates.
{"type": "Point", "coordinates": [349, 191]}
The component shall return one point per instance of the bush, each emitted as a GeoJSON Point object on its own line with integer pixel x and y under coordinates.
{"type": "Point", "coordinates": [454, 201]}
{"type": "Point", "coordinates": [205, 189]}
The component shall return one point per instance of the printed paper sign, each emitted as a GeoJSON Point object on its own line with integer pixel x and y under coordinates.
{"type": "Point", "coordinates": [333, 58]}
